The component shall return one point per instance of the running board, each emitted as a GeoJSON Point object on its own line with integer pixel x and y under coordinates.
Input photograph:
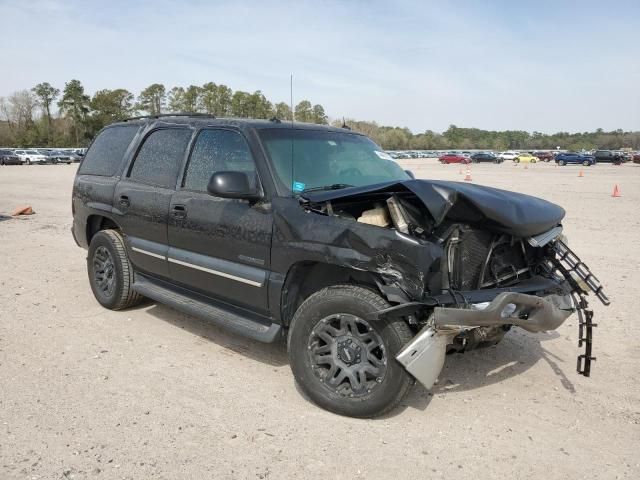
{"type": "Point", "coordinates": [189, 303]}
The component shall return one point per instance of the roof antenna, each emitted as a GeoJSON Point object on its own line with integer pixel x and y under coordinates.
{"type": "Point", "coordinates": [344, 125]}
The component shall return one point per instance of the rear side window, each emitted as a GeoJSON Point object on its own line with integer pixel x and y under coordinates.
{"type": "Point", "coordinates": [105, 154]}
{"type": "Point", "coordinates": [218, 151]}
{"type": "Point", "coordinates": [160, 156]}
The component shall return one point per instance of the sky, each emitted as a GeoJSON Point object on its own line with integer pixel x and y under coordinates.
{"type": "Point", "coordinates": [539, 65]}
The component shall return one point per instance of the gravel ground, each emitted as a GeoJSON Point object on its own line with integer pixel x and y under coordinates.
{"type": "Point", "coordinates": [152, 393]}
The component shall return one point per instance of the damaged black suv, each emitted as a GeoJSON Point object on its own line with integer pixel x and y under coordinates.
{"type": "Point", "coordinates": [314, 234]}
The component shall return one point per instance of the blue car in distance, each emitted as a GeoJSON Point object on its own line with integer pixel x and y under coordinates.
{"type": "Point", "coordinates": [575, 159]}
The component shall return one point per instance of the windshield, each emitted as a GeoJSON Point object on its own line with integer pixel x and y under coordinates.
{"type": "Point", "coordinates": [315, 159]}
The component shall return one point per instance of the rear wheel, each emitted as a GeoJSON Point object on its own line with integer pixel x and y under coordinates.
{"type": "Point", "coordinates": [586, 163]}
{"type": "Point", "coordinates": [28, 162]}
{"type": "Point", "coordinates": [562, 163]}
{"type": "Point", "coordinates": [517, 160]}
{"type": "Point", "coordinates": [110, 271]}
{"type": "Point", "coordinates": [344, 361]}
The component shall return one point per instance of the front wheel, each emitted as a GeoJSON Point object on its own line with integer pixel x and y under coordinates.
{"type": "Point", "coordinates": [586, 163]}
{"type": "Point", "coordinates": [28, 162]}
{"type": "Point", "coordinates": [344, 361]}
{"type": "Point", "coordinates": [562, 163]}
{"type": "Point", "coordinates": [517, 160]}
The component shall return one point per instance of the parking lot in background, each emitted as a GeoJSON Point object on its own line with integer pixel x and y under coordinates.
{"type": "Point", "coordinates": [151, 393]}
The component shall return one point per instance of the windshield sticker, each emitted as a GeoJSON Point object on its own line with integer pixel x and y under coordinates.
{"type": "Point", "coordinates": [298, 186]}
{"type": "Point", "coordinates": [383, 155]}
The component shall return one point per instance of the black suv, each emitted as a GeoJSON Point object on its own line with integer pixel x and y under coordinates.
{"type": "Point", "coordinates": [608, 156]}
{"type": "Point", "coordinates": [314, 234]}
{"type": "Point", "coordinates": [485, 157]}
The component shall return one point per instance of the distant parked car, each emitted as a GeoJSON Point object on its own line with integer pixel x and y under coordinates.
{"type": "Point", "coordinates": [544, 156]}
{"type": "Point", "coordinates": [609, 156]}
{"type": "Point", "coordinates": [508, 155]}
{"type": "Point", "coordinates": [485, 157]}
{"type": "Point", "coordinates": [31, 156]}
{"type": "Point", "coordinates": [525, 158]}
{"type": "Point", "coordinates": [575, 158]}
{"type": "Point", "coordinates": [636, 157]}
{"type": "Point", "coordinates": [454, 158]}
{"type": "Point", "coordinates": [57, 156]}
{"type": "Point", "coordinates": [7, 157]}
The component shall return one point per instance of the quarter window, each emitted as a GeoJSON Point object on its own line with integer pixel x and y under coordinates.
{"type": "Point", "coordinates": [160, 156]}
{"type": "Point", "coordinates": [107, 150]}
{"type": "Point", "coordinates": [218, 151]}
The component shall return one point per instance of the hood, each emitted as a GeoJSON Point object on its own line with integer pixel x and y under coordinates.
{"type": "Point", "coordinates": [494, 209]}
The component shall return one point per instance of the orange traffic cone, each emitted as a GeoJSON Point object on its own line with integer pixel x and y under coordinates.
{"type": "Point", "coordinates": [581, 174]}
{"type": "Point", "coordinates": [616, 191]}
{"type": "Point", "coordinates": [467, 177]}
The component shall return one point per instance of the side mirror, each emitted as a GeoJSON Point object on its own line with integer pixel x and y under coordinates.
{"type": "Point", "coordinates": [410, 173]}
{"type": "Point", "coordinates": [232, 185]}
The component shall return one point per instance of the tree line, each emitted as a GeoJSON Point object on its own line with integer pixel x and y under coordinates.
{"type": "Point", "coordinates": [47, 116]}
{"type": "Point", "coordinates": [396, 138]}
{"type": "Point", "coordinates": [29, 117]}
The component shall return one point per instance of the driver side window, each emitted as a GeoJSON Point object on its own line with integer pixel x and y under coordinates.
{"type": "Point", "coordinates": [218, 150]}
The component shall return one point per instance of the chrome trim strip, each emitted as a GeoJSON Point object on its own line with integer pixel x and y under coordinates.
{"type": "Point", "coordinates": [215, 272]}
{"type": "Point", "coordinates": [542, 239]}
{"type": "Point", "coordinates": [146, 252]}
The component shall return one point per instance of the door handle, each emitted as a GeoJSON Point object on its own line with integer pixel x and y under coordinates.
{"type": "Point", "coordinates": [179, 211]}
{"type": "Point", "coordinates": [124, 201]}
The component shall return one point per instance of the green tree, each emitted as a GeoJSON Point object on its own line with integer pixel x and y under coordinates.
{"type": "Point", "coordinates": [318, 115]}
{"type": "Point", "coordinates": [46, 95]}
{"type": "Point", "coordinates": [110, 106]}
{"type": "Point", "coordinates": [258, 106]}
{"type": "Point", "coordinates": [175, 100]}
{"type": "Point", "coordinates": [283, 111]}
{"type": "Point", "coordinates": [240, 104]}
{"type": "Point", "coordinates": [152, 99]}
{"type": "Point", "coordinates": [75, 104]}
{"type": "Point", "coordinates": [303, 112]}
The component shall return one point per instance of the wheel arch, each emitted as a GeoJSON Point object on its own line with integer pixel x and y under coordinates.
{"type": "Point", "coordinates": [96, 223]}
{"type": "Point", "coordinates": [305, 278]}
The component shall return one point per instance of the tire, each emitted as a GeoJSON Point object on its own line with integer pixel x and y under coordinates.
{"type": "Point", "coordinates": [110, 271]}
{"type": "Point", "coordinates": [586, 163]}
{"type": "Point", "coordinates": [562, 163]}
{"type": "Point", "coordinates": [517, 160]}
{"type": "Point", "coordinates": [332, 322]}
{"type": "Point", "coordinates": [28, 162]}
{"type": "Point", "coordinates": [533, 161]}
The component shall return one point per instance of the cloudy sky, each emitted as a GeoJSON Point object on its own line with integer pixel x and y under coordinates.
{"type": "Point", "coordinates": [538, 65]}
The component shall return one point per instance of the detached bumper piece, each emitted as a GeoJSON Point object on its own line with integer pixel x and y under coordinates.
{"type": "Point", "coordinates": [423, 357]}
{"type": "Point", "coordinates": [534, 314]}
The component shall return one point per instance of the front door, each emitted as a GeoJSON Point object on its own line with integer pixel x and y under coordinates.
{"type": "Point", "coordinates": [220, 247]}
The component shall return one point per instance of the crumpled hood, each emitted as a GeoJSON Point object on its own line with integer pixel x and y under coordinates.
{"type": "Point", "coordinates": [494, 209]}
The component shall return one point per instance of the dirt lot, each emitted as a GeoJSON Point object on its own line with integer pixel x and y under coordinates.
{"type": "Point", "coordinates": [152, 393]}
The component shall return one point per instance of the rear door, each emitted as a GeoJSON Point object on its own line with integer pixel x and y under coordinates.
{"type": "Point", "coordinates": [220, 247]}
{"type": "Point", "coordinates": [141, 199]}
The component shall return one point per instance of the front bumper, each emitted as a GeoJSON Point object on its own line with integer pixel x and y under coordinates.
{"type": "Point", "coordinates": [423, 357]}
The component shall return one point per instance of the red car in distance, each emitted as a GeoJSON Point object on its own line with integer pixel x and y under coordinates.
{"type": "Point", "coordinates": [544, 156]}
{"type": "Point", "coordinates": [454, 158]}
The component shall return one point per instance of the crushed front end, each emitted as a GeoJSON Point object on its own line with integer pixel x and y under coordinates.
{"type": "Point", "coordinates": [496, 260]}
